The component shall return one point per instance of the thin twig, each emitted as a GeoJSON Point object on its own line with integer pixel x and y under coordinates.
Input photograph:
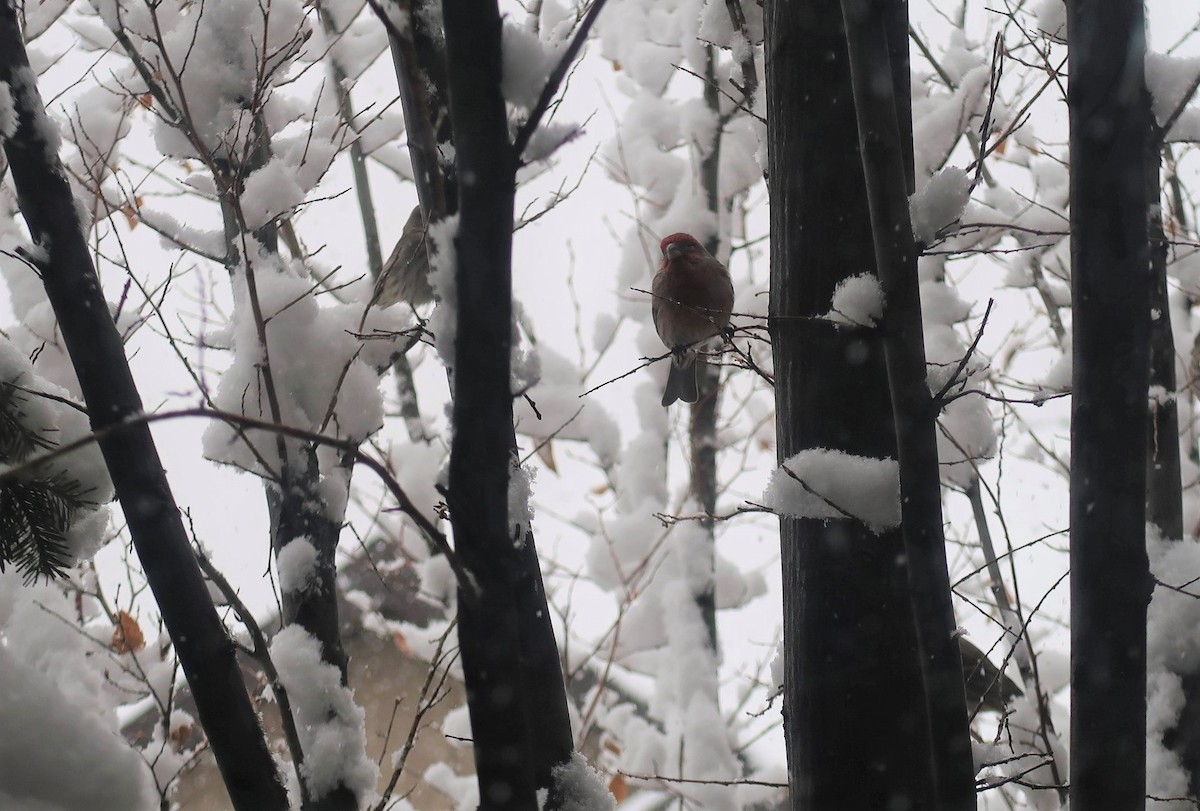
{"type": "Point", "coordinates": [555, 79]}
{"type": "Point", "coordinates": [425, 703]}
{"type": "Point", "coordinates": [261, 654]}
{"type": "Point", "coordinates": [803, 484]}
{"type": "Point", "coordinates": [693, 781]}
{"type": "Point", "coordinates": [647, 362]}
{"type": "Point", "coordinates": [964, 360]}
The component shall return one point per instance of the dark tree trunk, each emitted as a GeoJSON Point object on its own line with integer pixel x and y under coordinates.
{"type": "Point", "coordinates": [1111, 283]}
{"type": "Point", "coordinates": [481, 455]}
{"type": "Point", "coordinates": [849, 642]}
{"type": "Point", "coordinates": [515, 690]}
{"type": "Point", "coordinates": [543, 689]}
{"type": "Point", "coordinates": [885, 168]}
{"type": "Point", "coordinates": [205, 652]}
{"type": "Point", "coordinates": [421, 75]}
{"type": "Point", "coordinates": [300, 513]}
{"type": "Point", "coordinates": [1164, 486]}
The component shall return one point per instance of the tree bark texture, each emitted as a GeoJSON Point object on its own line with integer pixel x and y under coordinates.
{"type": "Point", "coordinates": [1164, 482]}
{"type": "Point", "coordinates": [205, 653]}
{"type": "Point", "coordinates": [421, 75]}
{"type": "Point", "coordinates": [515, 690]}
{"type": "Point", "coordinates": [850, 650]}
{"type": "Point", "coordinates": [885, 169]}
{"type": "Point", "coordinates": [1111, 282]}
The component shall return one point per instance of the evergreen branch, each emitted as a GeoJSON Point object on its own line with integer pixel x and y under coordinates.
{"type": "Point", "coordinates": [34, 518]}
{"type": "Point", "coordinates": [17, 439]}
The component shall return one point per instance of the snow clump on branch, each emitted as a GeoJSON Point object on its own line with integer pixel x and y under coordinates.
{"type": "Point", "coordinates": [527, 65]}
{"type": "Point", "coordinates": [443, 264]}
{"type": "Point", "coordinates": [48, 735]}
{"type": "Point", "coordinates": [827, 484]}
{"type": "Point", "coordinates": [579, 787]}
{"type": "Point", "coordinates": [323, 372]}
{"type": "Point", "coordinates": [331, 724]}
{"type": "Point", "coordinates": [520, 511]}
{"type": "Point", "coordinates": [8, 114]}
{"type": "Point", "coordinates": [1169, 80]}
{"type": "Point", "coordinates": [228, 41]}
{"type": "Point", "coordinates": [297, 563]}
{"type": "Point", "coordinates": [939, 203]}
{"type": "Point", "coordinates": [857, 301]}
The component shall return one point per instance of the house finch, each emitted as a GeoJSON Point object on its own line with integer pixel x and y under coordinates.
{"type": "Point", "coordinates": [693, 297]}
{"type": "Point", "coordinates": [405, 275]}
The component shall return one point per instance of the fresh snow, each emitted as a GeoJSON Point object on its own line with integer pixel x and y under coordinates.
{"type": "Point", "coordinates": [580, 787]}
{"type": "Point", "coordinates": [56, 712]}
{"type": "Point", "coordinates": [829, 484]}
{"type": "Point", "coordinates": [527, 65]}
{"type": "Point", "coordinates": [330, 723]}
{"type": "Point", "coordinates": [1170, 79]}
{"type": "Point", "coordinates": [8, 114]}
{"type": "Point", "coordinates": [857, 301]}
{"type": "Point", "coordinates": [520, 510]}
{"type": "Point", "coordinates": [443, 265]}
{"type": "Point", "coordinates": [47, 738]}
{"type": "Point", "coordinates": [297, 564]}
{"type": "Point", "coordinates": [939, 204]}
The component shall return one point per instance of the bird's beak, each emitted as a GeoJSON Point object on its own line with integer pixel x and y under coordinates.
{"type": "Point", "coordinates": [674, 251]}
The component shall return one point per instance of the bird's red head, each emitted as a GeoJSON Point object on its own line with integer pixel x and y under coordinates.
{"type": "Point", "coordinates": [679, 244]}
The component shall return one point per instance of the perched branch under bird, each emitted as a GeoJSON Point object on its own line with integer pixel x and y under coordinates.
{"type": "Point", "coordinates": [405, 275]}
{"type": "Point", "coordinates": [693, 298]}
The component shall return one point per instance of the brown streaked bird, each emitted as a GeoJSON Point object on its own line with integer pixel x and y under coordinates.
{"type": "Point", "coordinates": [405, 275]}
{"type": "Point", "coordinates": [693, 298]}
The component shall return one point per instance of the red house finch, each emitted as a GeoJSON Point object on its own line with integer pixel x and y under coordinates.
{"type": "Point", "coordinates": [405, 275]}
{"type": "Point", "coordinates": [693, 297]}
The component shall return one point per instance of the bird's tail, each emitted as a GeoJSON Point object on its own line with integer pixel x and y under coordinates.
{"type": "Point", "coordinates": [683, 381]}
